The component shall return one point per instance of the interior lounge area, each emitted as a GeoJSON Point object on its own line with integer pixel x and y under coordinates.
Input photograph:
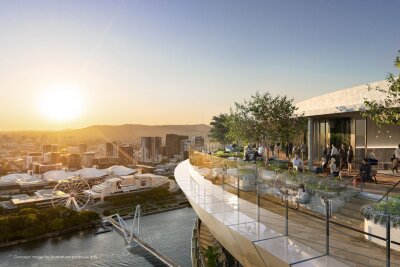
{"type": "Point", "coordinates": [365, 136]}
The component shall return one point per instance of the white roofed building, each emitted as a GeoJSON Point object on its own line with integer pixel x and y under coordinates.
{"type": "Point", "coordinates": [92, 175]}
{"type": "Point", "coordinates": [129, 183]}
{"type": "Point", "coordinates": [119, 170]}
{"type": "Point", "coordinates": [17, 182]}
{"type": "Point", "coordinates": [55, 176]}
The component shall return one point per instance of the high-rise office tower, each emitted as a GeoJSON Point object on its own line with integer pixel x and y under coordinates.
{"type": "Point", "coordinates": [151, 149]}
{"type": "Point", "coordinates": [173, 144]}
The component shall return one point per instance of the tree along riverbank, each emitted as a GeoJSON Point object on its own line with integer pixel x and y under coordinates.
{"type": "Point", "coordinates": [32, 223]}
{"type": "Point", "coordinates": [90, 225]}
{"type": "Point", "coordinates": [48, 235]}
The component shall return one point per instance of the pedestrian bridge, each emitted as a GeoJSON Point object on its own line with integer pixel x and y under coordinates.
{"type": "Point", "coordinates": [131, 234]}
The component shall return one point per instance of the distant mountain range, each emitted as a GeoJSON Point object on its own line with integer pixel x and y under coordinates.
{"type": "Point", "coordinates": [122, 133]}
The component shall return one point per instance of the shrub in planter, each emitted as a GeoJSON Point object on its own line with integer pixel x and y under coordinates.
{"type": "Point", "coordinates": [378, 212]}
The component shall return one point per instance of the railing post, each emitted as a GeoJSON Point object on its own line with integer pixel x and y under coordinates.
{"type": "Point", "coordinates": [286, 213]}
{"type": "Point", "coordinates": [238, 183]}
{"type": "Point", "coordinates": [388, 239]}
{"type": "Point", "coordinates": [327, 215]}
{"type": "Point", "coordinates": [223, 176]}
{"type": "Point", "coordinates": [257, 195]}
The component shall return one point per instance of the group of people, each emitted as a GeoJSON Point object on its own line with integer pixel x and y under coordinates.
{"type": "Point", "coordinates": [342, 156]}
{"type": "Point", "coordinates": [296, 149]}
{"type": "Point", "coordinates": [253, 152]}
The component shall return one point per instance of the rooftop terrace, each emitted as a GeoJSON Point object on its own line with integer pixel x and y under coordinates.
{"type": "Point", "coordinates": [250, 209]}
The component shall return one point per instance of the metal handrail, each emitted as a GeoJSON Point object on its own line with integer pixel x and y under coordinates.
{"type": "Point", "coordinates": [389, 191]}
{"type": "Point", "coordinates": [334, 222]}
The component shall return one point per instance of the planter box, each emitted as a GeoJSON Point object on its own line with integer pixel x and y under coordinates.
{"type": "Point", "coordinates": [380, 230]}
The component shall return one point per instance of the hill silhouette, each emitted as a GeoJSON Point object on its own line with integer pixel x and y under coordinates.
{"type": "Point", "coordinates": [125, 133]}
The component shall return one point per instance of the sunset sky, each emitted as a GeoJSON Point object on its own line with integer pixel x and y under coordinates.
{"type": "Point", "coordinates": [71, 64]}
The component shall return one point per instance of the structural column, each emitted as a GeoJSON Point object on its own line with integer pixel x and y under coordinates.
{"type": "Point", "coordinates": [310, 142]}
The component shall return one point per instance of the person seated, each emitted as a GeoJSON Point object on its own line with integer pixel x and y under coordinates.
{"type": "Point", "coordinates": [365, 171]}
{"type": "Point", "coordinates": [335, 172]}
{"type": "Point", "coordinates": [259, 152]}
{"type": "Point", "coordinates": [298, 163]}
{"type": "Point", "coordinates": [324, 165]}
{"type": "Point", "coordinates": [372, 159]}
{"type": "Point", "coordinates": [246, 152]}
{"type": "Point", "coordinates": [302, 196]}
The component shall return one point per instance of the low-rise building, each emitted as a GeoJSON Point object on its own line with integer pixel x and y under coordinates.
{"type": "Point", "coordinates": [129, 183]}
{"type": "Point", "coordinates": [87, 159]}
{"type": "Point", "coordinates": [40, 168]}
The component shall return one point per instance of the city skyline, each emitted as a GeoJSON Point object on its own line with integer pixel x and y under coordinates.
{"type": "Point", "coordinates": [152, 63]}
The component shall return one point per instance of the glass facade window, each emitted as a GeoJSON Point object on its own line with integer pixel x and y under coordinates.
{"type": "Point", "coordinates": [360, 133]}
{"type": "Point", "coordinates": [359, 142]}
{"type": "Point", "coordinates": [385, 136]}
{"type": "Point", "coordinates": [322, 137]}
{"type": "Point", "coordinates": [382, 140]}
{"type": "Point", "coordinates": [364, 135]}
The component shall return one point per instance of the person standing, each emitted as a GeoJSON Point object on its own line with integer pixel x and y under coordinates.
{"type": "Point", "coordinates": [335, 172]}
{"type": "Point", "coordinates": [287, 150]}
{"type": "Point", "coordinates": [303, 151]}
{"type": "Point", "coordinates": [278, 147]}
{"type": "Point", "coordinates": [327, 152]}
{"type": "Point", "coordinates": [290, 148]}
{"type": "Point", "coordinates": [259, 152]}
{"type": "Point", "coordinates": [365, 171]}
{"type": "Point", "coordinates": [246, 151]}
{"type": "Point", "coordinates": [294, 149]}
{"type": "Point", "coordinates": [350, 156]}
{"type": "Point", "coordinates": [396, 159]}
{"type": "Point", "coordinates": [342, 157]}
{"type": "Point", "coordinates": [276, 150]}
{"type": "Point", "coordinates": [334, 152]}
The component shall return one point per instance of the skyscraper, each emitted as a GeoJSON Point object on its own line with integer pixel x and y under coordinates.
{"type": "Point", "coordinates": [151, 149]}
{"type": "Point", "coordinates": [50, 148]}
{"type": "Point", "coordinates": [109, 149]}
{"type": "Point", "coordinates": [198, 142]}
{"type": "Point", "coordinates": [82, 148]}
{"type": "Point", "coordinates": [74, 161]}
{"type": "Point", "coordinates": [87, 159]}
{"type": "Point", "coordinates": [173, 144]}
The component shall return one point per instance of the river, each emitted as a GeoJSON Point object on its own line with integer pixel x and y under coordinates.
{"type": "Point", "coordinates": [169, 232]}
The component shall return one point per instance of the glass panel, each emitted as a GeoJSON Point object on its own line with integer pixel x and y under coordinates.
{"type": "Point", "coordinates": [316, 141]}
{"type": "Point", "coordinates": [353, 205]}
{"type": "Point", "coordinates": [360, 142]}
{"type": "Point", "coordinates": [382, 142]}
{"type": "Point", "coordinates": [322, 138]}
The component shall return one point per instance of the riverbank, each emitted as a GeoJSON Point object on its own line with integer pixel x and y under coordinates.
{"type": "Point", "coordinates": [48, 235]}
{"type": "Point", "coordinates": [159, 211]}
{"type": "Point", "coordinates": [91, 226]}
{"type": "Point", "coordinates": [168, 232]}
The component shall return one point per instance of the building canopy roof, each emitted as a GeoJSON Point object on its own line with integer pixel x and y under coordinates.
{"type": "Point", "coordinates": [119, 170]}
{"type": "Point", "coordinates": [57, 175]}
{"type": "Point", "coordinates": [91, 173]}
{"type": "Point", "coordinates": [341, 101]}
{"type": "Point", "coordinates": [15, 177]}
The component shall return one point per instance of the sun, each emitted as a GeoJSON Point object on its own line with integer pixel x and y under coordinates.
{"type": "Point", "coordinates": [61, 103]}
